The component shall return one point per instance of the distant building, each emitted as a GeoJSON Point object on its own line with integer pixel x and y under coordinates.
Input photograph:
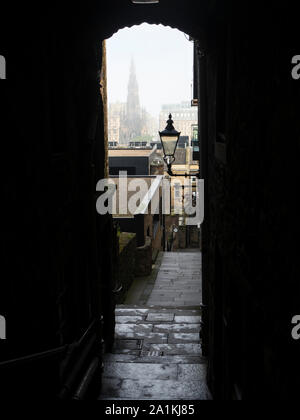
{"type": "Point", "coordinates": [129, 123]}
{"type": "Point", "coordinates": [184, 116]}
{"type": "Point", "coordinates": [195, 143]}
{"type": "Point", "coordinates": [133, 161]}
{"type": "Point", "coordinates": [184, 141]}
{"type": "Point", "coordinates": [114, 130]}
{"type": "Point", "coordinates": [156, 143]}
{"type": "Point", "coordinates": [116, 117]}
{"type": "Point", "coordinates": [150, 125]}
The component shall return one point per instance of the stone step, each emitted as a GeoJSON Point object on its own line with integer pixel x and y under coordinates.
{"type": "Point", "coordinates": [187, 349]}
{"type": "Point", "coordinates": [178, 338]}
{"type": "Point", "coordinates": [149, 371]}
{"type": "Point", "coordinates": [153, 338]}
{"type": "Point", "coordinates": [154, 308]}
{"type": "Point", "coordinates": [129, 329]}
{"type": "Point", "coordinates": [178, 390]}
{"type": "Point", "coordinates": [123, 329]}
{"type": "Point", "coordinates": [159, 338]}
{"type": "Point", "coordinates": [157, 353]}
{"type": "Point", "coordinates": [158, 317]}
{"type": "Point", "coordinates": [177, 328]}
{"type": "Point", "coordinates": [127, 358]}
{"type": "Point", "coordinates": [144, 312]}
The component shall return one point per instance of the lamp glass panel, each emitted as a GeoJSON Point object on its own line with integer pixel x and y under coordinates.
{"type": "Point", "coordinates": [169, 144]}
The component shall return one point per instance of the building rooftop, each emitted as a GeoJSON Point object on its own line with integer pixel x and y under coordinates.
{"type": "Point", "coordinates": [182, 168]}
{"type": "Point", "coordinates": [130, 152]}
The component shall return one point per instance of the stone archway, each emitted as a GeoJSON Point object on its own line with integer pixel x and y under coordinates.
{"type": "Point", "coordinates": [193, 18]}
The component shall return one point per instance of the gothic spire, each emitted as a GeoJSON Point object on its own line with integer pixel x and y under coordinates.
{"type": "Point", "coordinates": [134, 123]}
{"type": "Point", "coordinates": [133, 100]}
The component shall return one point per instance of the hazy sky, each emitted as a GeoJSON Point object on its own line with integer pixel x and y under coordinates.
{"type": "Point", "coordinates": [164, 64]}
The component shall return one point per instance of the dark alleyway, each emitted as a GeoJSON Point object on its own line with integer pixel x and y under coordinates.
{"type": "Point", "coordinates": [57, 281]}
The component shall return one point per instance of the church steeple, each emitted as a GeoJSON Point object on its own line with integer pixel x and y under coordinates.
{"type": "Point", "coordinates": [134, 113]}
{"type": "Point", "coordinates": [133, 99]}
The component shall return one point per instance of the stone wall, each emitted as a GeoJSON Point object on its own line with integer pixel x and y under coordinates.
{"type": "Point", "coordinates": [126, 264]}
{"type": "Point", "coordinates": [194, 236]}
{"type": "Point", "coordinates": [250, 258]}
{"type": "Point", "coordinates": [180, 242]}
{"type": "Point", "coordinates": [143, 260]}
{"type": "Point", "coordinates": [156, 237]}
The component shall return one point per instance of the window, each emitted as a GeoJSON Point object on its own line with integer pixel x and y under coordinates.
{"type": "Point", "coordinates": [177, 191]}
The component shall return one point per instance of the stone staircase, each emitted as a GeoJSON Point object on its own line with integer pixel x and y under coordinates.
{"type": "Point", "coordinates": [157, 355]}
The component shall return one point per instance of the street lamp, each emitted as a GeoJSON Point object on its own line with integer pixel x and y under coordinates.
{"type": "Point", "coordinates": [169, 139]}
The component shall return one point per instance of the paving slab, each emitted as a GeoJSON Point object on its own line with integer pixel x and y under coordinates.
{"type": "Point", "coordinates": [153, 338]}
{"type": "Point", "coordinates": [131, 312]}
{"type": "Point", "coordinates": [183, 338]}
{"type": "Point", "coordinates": [129, 358]}
{"type": "Point", "coordinates": [160, 317]}
{"type": "Point", "coordinates": [189, 302]}
{"type": "Point", "coordinates": [124, 329]}
{"type": "Point", "coordinates": [168, 302]}
{"type": "Point", "coordinates": [187, 319]}
{"type": "Point", "coordinates": [140, 371]}
{"type": "Point", "coordinates": [177, 349]}
{"type": "Point", "coordinates": [182, 328]}
{"type": "Point", "coordinates": [164, 294]}
{"type": "Point", "coordinates": [128, 344]}
{"type": "Point", "coordinates": [192, 372]}
{"type": "Point", "coordinates": [129, 319]}
{"type": "Point", "coordinates": [155, 389]}
{"type": "Point", "coordinates": [190, 296]}
{"type": "Point", "coordinates": [178, 280]}
{"type": "Point", "coordinates": [126, 352]}
{"type": "Point", "coordinates": [177, 311]}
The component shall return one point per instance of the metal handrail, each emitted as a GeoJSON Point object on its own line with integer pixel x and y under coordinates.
{"type": "Point", "coordinates": [48, 354]}
{"type": "Point", "coordinates": [34, 357]}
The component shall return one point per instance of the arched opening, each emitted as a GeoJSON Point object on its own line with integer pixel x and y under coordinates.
{"type": "Point", "coordinates": [150, 72]}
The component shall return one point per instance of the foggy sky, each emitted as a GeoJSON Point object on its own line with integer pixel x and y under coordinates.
{"type": "Point", "coordinates": [164, 65]}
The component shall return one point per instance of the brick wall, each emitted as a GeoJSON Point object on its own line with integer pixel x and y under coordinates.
{"type": "Point", "coordinates": [250, 258]}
